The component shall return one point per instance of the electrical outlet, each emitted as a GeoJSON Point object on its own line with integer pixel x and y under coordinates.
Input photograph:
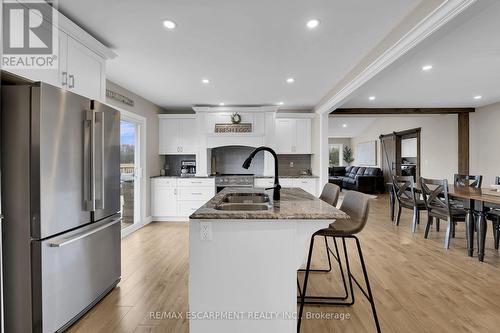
{"type": "Point", "coordinates": [206, 231]}
{"type": "Point", "coordinates": [291, 164]}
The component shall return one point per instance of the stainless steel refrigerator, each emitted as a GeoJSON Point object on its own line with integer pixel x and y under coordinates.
{"type": "Point", "coordinates": [61, 202]}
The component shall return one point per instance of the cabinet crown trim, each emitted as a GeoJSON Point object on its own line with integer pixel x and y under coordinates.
{"type": "Point", "coordinates": [238, 109]}
{"type": "Point", "coordinates": [177, 116]}
{"type": "Point", "coordinates": [292, 115]}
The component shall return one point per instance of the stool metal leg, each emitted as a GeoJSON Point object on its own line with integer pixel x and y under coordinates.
{"type": "Point", "coordinates": [303, 294]}
{"type": "Point", "coordinates": [329, 262]}
{"type": "Point", "coordinates": [367, 281]}
{"type": "Point", "coordinates": [323, 300]}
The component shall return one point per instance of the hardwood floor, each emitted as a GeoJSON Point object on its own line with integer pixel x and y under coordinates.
{"type": "Point", "coordinates": [418, 285]}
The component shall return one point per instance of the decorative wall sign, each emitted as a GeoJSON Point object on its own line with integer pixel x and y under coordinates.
{"type": "Point", "coordinates": [119, 97]}
{"type": "Point", "coordinates": [233, 128]}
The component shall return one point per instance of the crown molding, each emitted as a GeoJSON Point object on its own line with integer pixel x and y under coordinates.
{"type": "Point", "coordinates": [428, 25]}
{"type": "Point", "coordinates": [233, 109]}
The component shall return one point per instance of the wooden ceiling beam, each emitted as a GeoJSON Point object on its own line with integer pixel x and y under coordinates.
{"type": "Point", "coordinates": [400, 111]}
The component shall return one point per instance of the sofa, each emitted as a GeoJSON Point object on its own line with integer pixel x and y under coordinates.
{"type": "Point", "coordinates": [362, 179]}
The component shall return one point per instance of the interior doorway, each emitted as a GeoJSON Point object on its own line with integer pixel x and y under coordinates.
{"type": "Point", "coordinates": [130, 171]}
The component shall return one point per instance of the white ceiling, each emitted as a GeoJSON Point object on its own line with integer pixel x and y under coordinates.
{"type": "Point", "coordinates": [354, 126]}
{"type": "Point", "coordinates": [465, 55]}
{"type": "Point", "coordinates": [246, 48]}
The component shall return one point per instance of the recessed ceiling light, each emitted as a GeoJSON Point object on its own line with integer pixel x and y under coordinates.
{"type": "Point", "coordinates": [427, 68]}
{"type": "Point", "coordinates": [222, 104]}
{"type": "Point", "coordinates": [311, 24]}
{"type": "Point", "coordinates": [169, 24]}
{"type": "Point", "coordinates": [290, 80]}
{"type": "Point", "coordinates": [281, 103]}
{"type": "Point", "coordinates": [344, 125]}
{"type": "Point", "coordinates": [478, 97]}
{"type": "Point", "coordinates": [371, 98]}
{"type": "Point", "coordinates": [205, 81]}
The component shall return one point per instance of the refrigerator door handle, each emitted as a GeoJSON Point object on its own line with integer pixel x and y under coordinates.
{"type": "Point", "coordinates": [90, 203]}
{"type": "Point", "coordinates": [65, 241]}
{"type": "Point", "coordinates": [100, 202]}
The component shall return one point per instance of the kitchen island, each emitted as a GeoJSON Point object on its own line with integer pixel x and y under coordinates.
{"type": "Point", "coordinates": [243, 263]}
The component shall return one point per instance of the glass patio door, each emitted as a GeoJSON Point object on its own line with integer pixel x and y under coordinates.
{"type": "Point", "coordinates": [130, 172]}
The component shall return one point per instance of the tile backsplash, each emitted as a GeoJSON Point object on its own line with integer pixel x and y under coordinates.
{"type": "Point", "coordinates": [293, 165]}
{"type": "Point", "coordinates": [230, 159]}
{"type": "Point", "coordinates": [172, 163]}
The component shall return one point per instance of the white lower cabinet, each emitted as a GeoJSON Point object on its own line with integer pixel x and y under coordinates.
{"type": "Point", "coordinates": [263, 182]}
{"type": "Point", "coordinates": [177, 198]}
{"type": "Point", "coordinates": [307, 184]}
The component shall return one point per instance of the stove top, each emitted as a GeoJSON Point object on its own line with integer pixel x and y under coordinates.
{"type": "Point", "coordinates": [234, 179]}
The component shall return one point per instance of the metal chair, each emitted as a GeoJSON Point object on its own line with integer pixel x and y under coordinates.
{"type": "Point", "coordinates": [356, 205]}
{"type": "Point", "coordinates": [494, 216]}
{"type": "Point", "coordinates": [404, 189]}
{"type": "Point", "coordinates": [437, 202]}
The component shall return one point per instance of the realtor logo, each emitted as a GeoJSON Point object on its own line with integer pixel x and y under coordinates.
{"type": "Point", "coordinates": [29, 36]}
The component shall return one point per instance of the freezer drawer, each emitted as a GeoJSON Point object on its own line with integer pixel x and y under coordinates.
{"type": "Point", "coordinates": [77, 269]}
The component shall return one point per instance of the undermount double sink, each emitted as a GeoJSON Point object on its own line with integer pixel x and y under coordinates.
{"type": "Point", "coordinates": [244, 202]}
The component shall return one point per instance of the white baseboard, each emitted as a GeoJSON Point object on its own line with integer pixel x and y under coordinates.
{"type": "Point", "coordinates": [170, 219]}
{"type": "Point", "coordinates": [136, 226]}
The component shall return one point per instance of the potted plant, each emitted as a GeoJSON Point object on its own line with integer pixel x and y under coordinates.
{"type": "Point", "coordinates": [348, 158]}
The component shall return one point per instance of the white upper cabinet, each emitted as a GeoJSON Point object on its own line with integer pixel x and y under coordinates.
{"type": "Point", "coordinates": [84, 72]}
{"type": "Point", "coordinates": [178, 135]}
{"type": "Point", "coordinates": [81, 62]}
{"type": "Point", "coordinates": [293, 136]}
{"type": "Point", "coordinates": [303, 136]}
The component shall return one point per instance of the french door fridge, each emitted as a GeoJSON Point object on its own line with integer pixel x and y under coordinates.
{"type": "Point", "coordinates": [61, 202]}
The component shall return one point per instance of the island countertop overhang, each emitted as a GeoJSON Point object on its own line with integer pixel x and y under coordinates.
{"type": "Point", "coordinates": [295, 204]}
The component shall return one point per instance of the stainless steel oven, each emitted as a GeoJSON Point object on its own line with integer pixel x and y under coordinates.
{"type": "Point", "coordinates": [233, 180]}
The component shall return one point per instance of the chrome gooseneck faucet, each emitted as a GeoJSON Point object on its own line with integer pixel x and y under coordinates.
{"type": "Point", "coordinates": [277, 186]}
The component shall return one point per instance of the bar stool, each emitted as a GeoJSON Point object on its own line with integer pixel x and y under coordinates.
{"type": "Point", "coordinates": [356, 205]}
{"type": "Point", "coordinates": [330, 195]}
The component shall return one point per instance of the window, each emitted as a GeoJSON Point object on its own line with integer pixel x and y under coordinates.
{"type": "Point", "coordinates": [335, 155]}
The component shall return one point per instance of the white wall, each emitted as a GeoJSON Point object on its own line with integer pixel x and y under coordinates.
{"type": "Point", "coordinates": [150, 111]}
{"type": "Point", "coordinates": [439, 141]}
{"type": "Point", "coordinates": [484, 142]}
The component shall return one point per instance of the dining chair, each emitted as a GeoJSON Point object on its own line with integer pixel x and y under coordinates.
{"type": "Point", "coordinates": [468, 180]}
{"type": "Point", "coordinates": [494, 216]}
{"type": "Point", "coordinates": [437, 202]}
{"type": "Point", "coordinates": [464, 180]}
{"type": "Point", "coordinates": [356, 205]}
{"type": "Point", "coordinates": [404, 188]}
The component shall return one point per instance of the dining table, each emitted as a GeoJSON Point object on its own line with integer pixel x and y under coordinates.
{"type": "Point", "coordinates": [477, 202]}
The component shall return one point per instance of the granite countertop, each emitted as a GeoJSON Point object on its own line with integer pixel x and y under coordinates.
{"type": "Point", "coordinates": [296, 176]}
{"type": "Point", "coordinates": [295, 204]}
